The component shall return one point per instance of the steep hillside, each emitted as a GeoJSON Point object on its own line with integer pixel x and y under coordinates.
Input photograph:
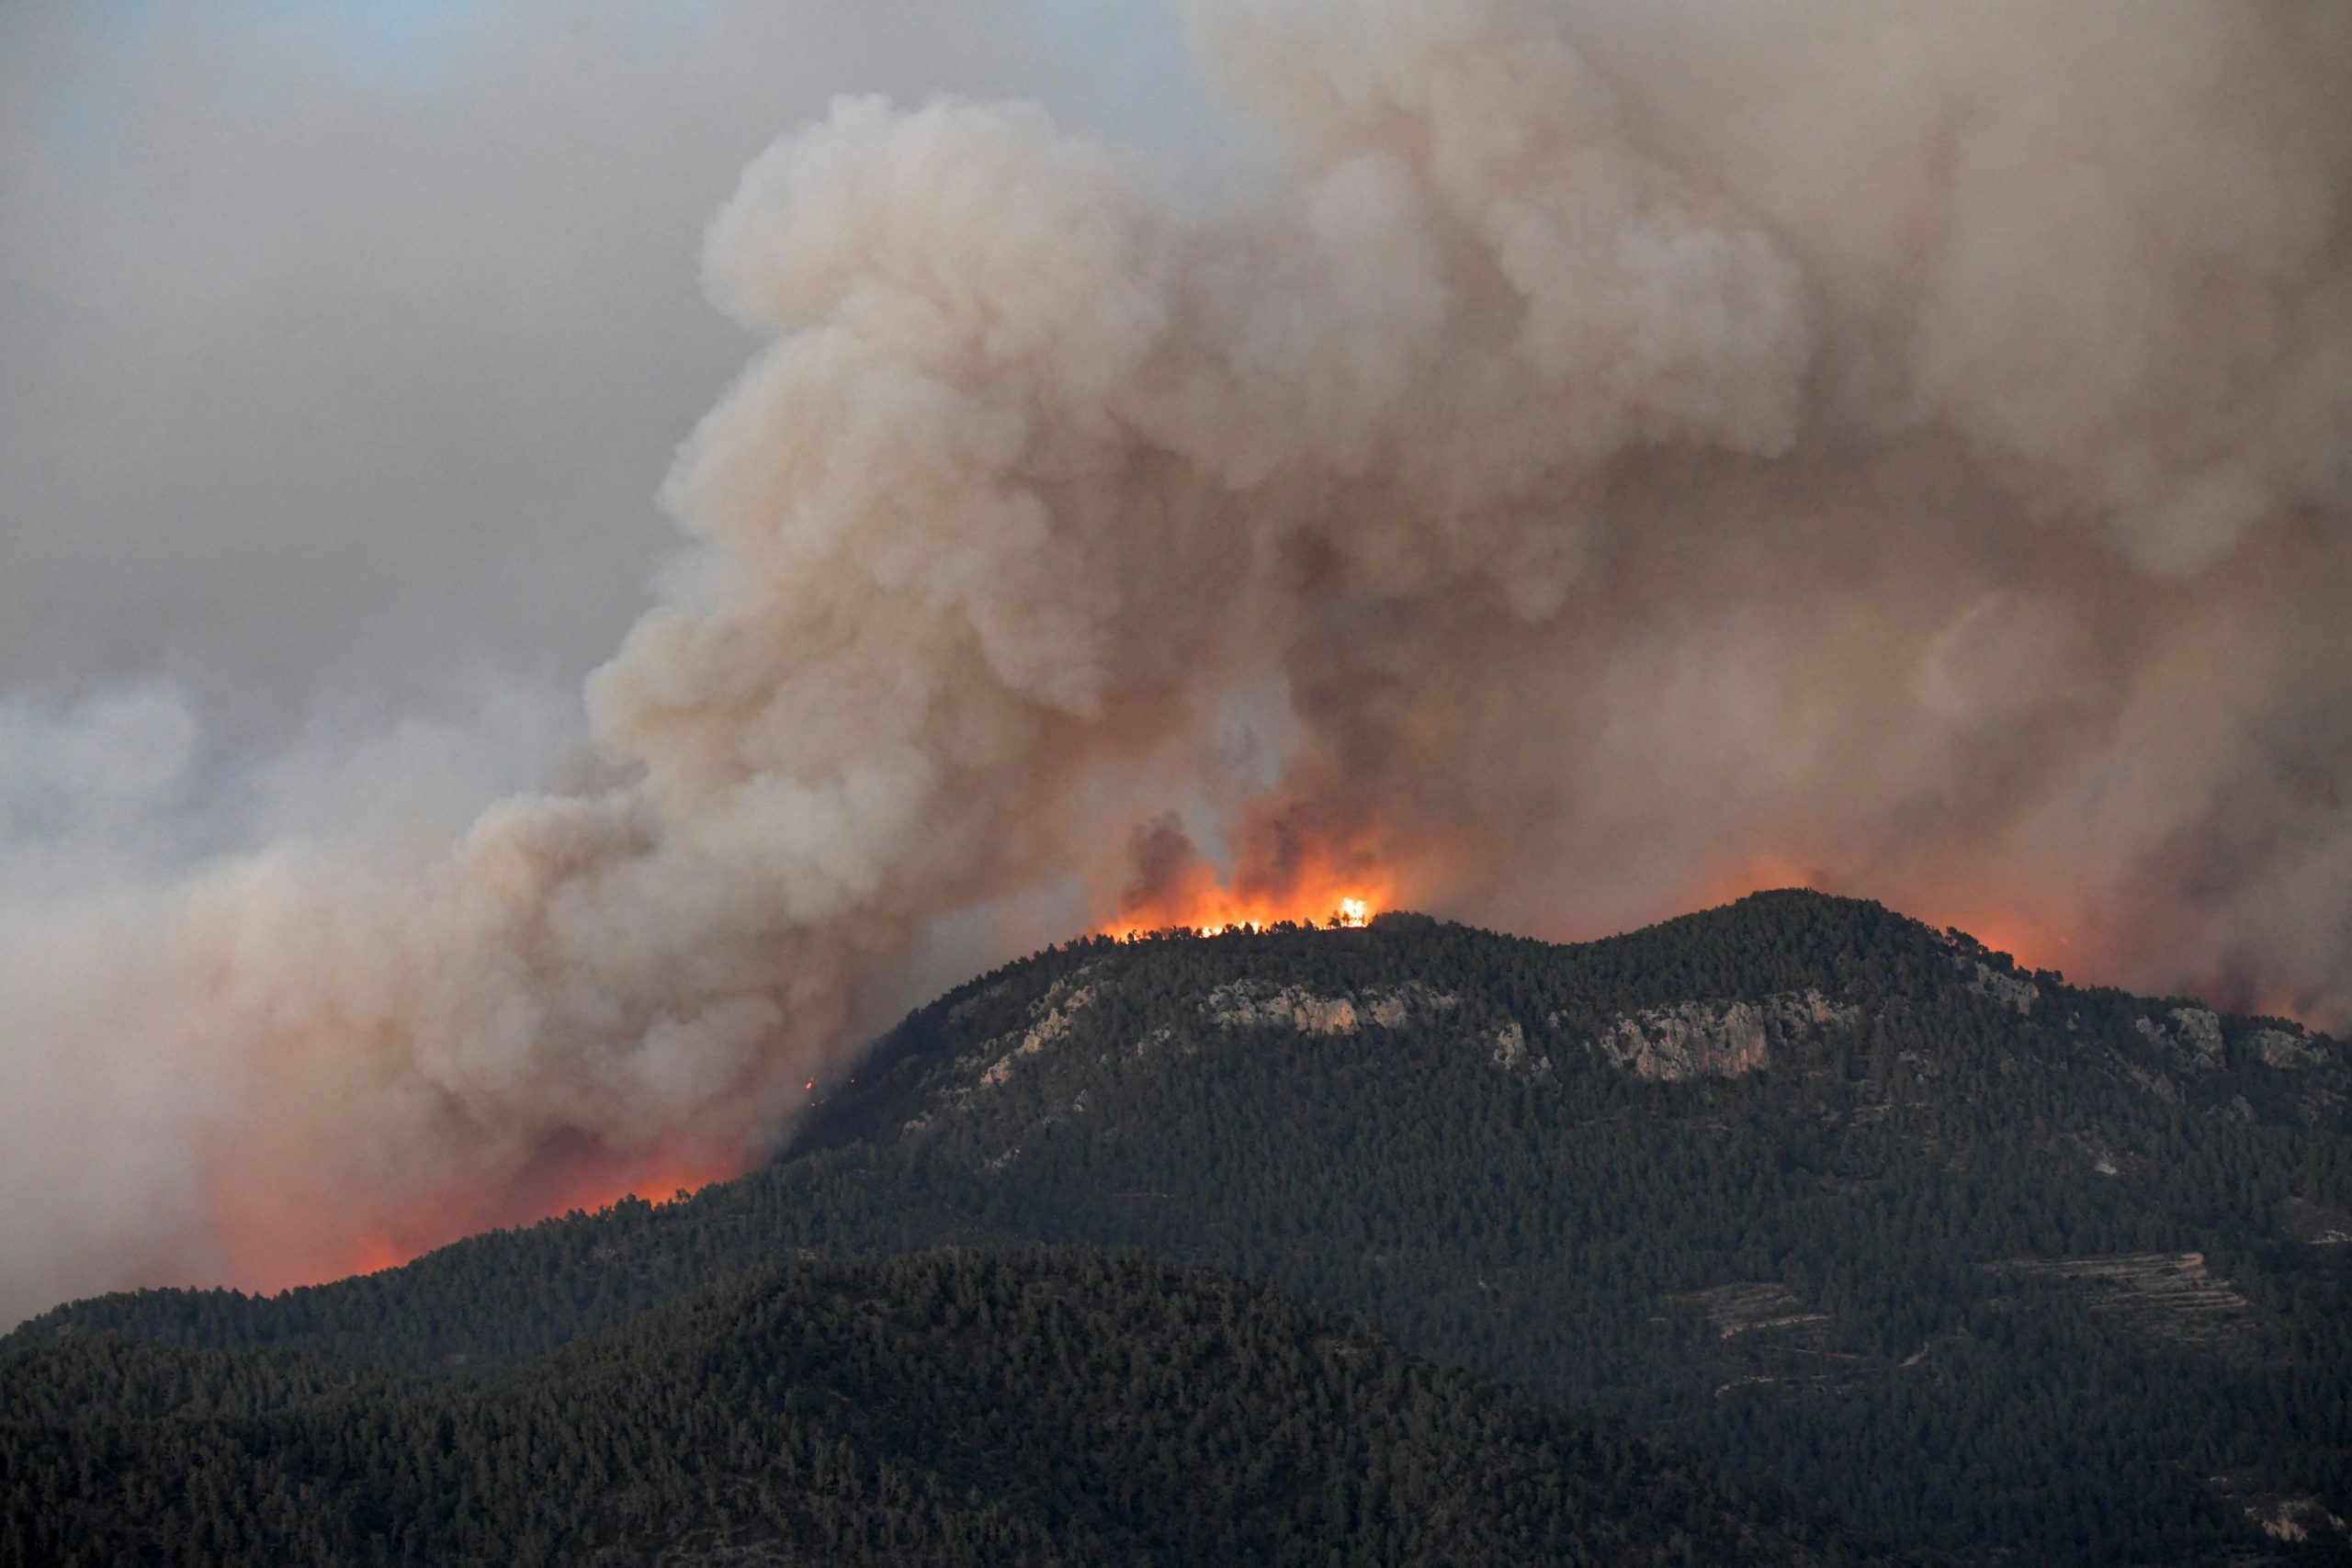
{"type": "Point", "coordinates": [939, 1409]}
{"type": "Point", "coordinates": [1973, 1255]}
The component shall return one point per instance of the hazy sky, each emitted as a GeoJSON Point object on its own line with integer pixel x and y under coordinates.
{"type": "Point", "coordinates": [343, 350]}
{"type": "Point", "coordinates": [1642, 450]}
{"type": "Point", "coordinates": [344, 346]}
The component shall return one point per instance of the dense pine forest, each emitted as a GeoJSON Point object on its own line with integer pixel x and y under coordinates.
{"type": "Point", "coordinates": [943, 1408]}
{"type": "Point", "coordinates": [1983, 1262]}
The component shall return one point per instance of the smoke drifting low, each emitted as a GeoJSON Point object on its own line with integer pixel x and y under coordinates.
{"type": "Point", "coordinates": [1649, 449]}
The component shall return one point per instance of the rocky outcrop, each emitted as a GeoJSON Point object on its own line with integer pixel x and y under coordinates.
{"type": "Point", "coordinates": [2296, 1519]}
{"type": "Point", "coordinates": [2189, 1057]}
{"type": "Point", "coordinates": [1395, 1007]}
{"type": "Point", "coordinates": [2288, 1053]}
{"type": "Point", "coordinates": [1245, 1003]}
{"type": "Point", "coordinates": [2009, 990]}
{"type": "Point", "coordinates": [1508, 1049]}
{"type": "Point", "coordinates": [2002, 984]}
{"type": "Point", "coordinates": [1692, 1040]}
{"type": "Point", "coordinates": [1240, 1006]}
{"type": "Point", "coordinates": [1053, 1014]}
{"type": "Point", "coordinates": [2191, 1041]}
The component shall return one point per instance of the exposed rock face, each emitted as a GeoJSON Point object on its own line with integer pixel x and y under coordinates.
{"type": "Point", "coordinates": [1694, 1040]}
{"type": "Point", "coordinates": [1053, 1014]}
{"type": "Point", "coordinates": [2012, 990]}
{"type": "Point", "coordinates": [2003, 985]}
{"type": "Point", "coordinates": [2192, 1041]}
{"type": "Point", "coordinates": [1510, 1053]}
{"type": "Point", "coordinates": [1249, 1003]}
{"type": "Point", "coordinates": [2288, 1053]}
{"type": "Point", "coordinates": [1237, 1006]}
{"type": "Point", "coordinates": [1394, 1008]}
{"type": "Point", "coordinates": [2296, 1518]}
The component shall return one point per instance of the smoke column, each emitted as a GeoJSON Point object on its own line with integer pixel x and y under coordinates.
{"type": "Point", "coordinates": [1649, 449]}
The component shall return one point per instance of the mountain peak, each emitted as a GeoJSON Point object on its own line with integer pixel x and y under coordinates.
{"type": "Point", "coordinates": [1764, 1179]}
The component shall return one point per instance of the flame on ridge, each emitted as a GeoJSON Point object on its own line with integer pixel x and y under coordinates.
{"type": "Point", "coordinates": [1221, 909]}
{"type": "Point", "coordinates": [2035, 941]}
{"type": "Point", "coordinates": [1286, 876]}
{"type": "Point", "coordinates": [272, 1242]}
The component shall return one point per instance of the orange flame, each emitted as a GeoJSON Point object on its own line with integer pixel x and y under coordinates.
{"type": "Point", "coordinates": [273, 1237]}
{"type": "Point", "coordinates": [274, 1240]}
{"type": "Point", "coordinates": [1291, 870]}
{"type": "Point", "coordinates": [2013, 933]}
{"type": "Point", "coordinates": [1217, 908]}
{"type": "Point", "coordinates": [2034, 942]}
{"type": "Point", "coordinates": [1195, 898]}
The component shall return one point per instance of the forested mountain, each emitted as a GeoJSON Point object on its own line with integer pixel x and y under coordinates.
{"type": "Point", "coordinates": [939, 1409]}
{"type": "Point", "coordinates": [2025, 1271]}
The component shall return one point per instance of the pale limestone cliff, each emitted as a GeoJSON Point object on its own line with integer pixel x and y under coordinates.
{"type": "Point", "coordinates": [1245, 1003]}
{"type": "Point", "coordinates": [1692, 1040]}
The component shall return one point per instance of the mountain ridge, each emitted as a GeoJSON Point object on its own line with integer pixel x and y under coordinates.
{"type": "Point", "coordinates": [1831, 1194]}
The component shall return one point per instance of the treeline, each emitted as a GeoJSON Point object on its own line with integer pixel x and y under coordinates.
{"type": "Point", "coordinates": [1553, 1221]}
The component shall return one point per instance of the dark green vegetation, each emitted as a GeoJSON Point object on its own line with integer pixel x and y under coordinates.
{"type": "Point", "coordinates": [944, 1408]}
{"type": "Point", "coordinates": [2024, 1271]}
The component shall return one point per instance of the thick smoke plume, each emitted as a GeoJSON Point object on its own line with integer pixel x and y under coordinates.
{"type": "Point", "coordinates": [1646, 449]}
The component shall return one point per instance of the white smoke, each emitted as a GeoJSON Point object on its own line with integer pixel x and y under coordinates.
{"type": "Point", "coordinates": [1653, 444]}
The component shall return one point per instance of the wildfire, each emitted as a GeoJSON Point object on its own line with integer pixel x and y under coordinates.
{"type": "Point", "coordinates": [1208, 906]}
{"type": "Point", "coordinates": [1288, 870]}
{"type": "Point", "coordinates": [1348, 914]}
{"type": "Point", "coordinates": [2033, 940]}
{"type": "Point", "coordinates": [2012, 933]}
{"type": "Point", "coordinates": [271, 1248]}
